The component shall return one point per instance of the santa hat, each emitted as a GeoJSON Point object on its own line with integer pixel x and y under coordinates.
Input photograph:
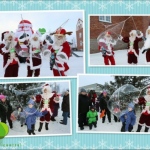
{"type": "Point", "coordinates": [61, 32]}
{"type": "Point", "coordinates": [24, 23]}
{"type": "Point", "coordinates": [2, 96]}
{"type": "Point", "coordinates": [47, 86]}
{"type": "Point", "coordinates": [134, 32]}
{"type": "Point", "coordinates": [108, 33]}
{"type": "Point", "coordinates": [131, 105]}
{"type": "Point", "coordinates": [6, 34]}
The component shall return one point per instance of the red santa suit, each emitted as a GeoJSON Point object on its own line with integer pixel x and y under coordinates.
{"type": "Point", "coordinates": [133, 48]}
{"type": "Point", "coordinates": [10, 57]}
{"type": "Point", "coordinates": [46, 101]}
{"type": "Point", "coordinates": [34, 61]}
{"type": "Point", "coordinates": [109, 55]}
{"type": "Point", "coordinates": [62, 53]}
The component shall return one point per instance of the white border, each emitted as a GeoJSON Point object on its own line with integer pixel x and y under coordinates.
{"type": "Point", "coordinates": [102, 132]}
{"type": "Point", "coordinates": [109, 66]}
{"type": "Point", "coordinates": [70, 97]}
{"type": "Point", "coordinates": [49, 11]}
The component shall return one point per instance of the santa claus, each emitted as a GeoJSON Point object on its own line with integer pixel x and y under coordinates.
{"type": "Point", "coordinates": [145, 114]}
{"type": "Point", "coordinates": [146, 47]}
{"type": "Point", "coordinates": [60, 53]}
{"type": "Point", "coordinates": [106, 47]}
{"type": "Point", "coordinates": [34, 61]}
{"type": "Point", "coordinates": [9, 49]}
{"type": "Point", "coordinates": [133, 48]}
{"type": "Point", "coordinates": [46, 100]}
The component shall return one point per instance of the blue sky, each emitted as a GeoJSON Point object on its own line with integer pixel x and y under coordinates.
{"type": "Point", "coordinates": [50, 20]}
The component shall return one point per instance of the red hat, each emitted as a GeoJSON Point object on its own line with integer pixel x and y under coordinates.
{"type": "Point", "coordinates": [6, 34]}
{"type": "Point", "coordinates": [25, 23]}
{"type": "Point", "coordinates": [61, 32]}
{"type": "Point", "coordinates": [108, 33]}
{"type": "Point", "coordinates": [2, 37]}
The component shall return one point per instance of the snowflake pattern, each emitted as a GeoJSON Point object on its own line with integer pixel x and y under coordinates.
{"type": "Point", "coordinates": [100, 6]}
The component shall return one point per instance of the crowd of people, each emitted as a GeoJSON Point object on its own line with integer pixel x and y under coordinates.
{"type": "Point", "coordinates": [49, 103]}
{"type": "Point", "coordinates": [92, 105]}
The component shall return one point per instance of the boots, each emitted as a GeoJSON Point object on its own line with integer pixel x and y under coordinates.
{"type": "Point", "coordinates": [40, 128]}
{"type": "Point", "coordinates": [46, 125]}
{"type": "Point", "coordinates": [52, 118]}
{"type": "Point", "coordinates": [33, 128]}
{"type": "Point", "coordinates": [29, 131]}
{"type": "Point", "coordinates": [139, 128]}
{"type": "Point", "coordinates": [146, 129]}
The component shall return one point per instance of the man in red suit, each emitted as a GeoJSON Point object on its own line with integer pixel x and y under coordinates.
{"type": "Point", "coordinates": [46, 100]}
{"type": "Point", "coordinates": [133, 48]}
{"type": "Point", "coordinates": [106, 46]}
{"type": "Point", "coordinates": [9, 49]}
{"type": "Point", "coordinates": [60, 53]}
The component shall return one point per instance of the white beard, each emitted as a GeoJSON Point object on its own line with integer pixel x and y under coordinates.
{"type": "Point", "coordinates": [11, 44]}
{"type": "Point", "coordinates": [147, 42]}
{"type": "Point", "coordinates": [132, 38]}
{"type": "Point", "coordinates": [59, 42]}
{"type": "Point", "coordinates": [108, 39]}
{"type": "Point", "coordinates": [147, 98]}
{"type": "Point", "coordinates": [35, 44]}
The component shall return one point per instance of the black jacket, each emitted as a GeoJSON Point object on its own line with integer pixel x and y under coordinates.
{"type": "Point", "coordinates": [84, 103]}
{"type": "Point", "coordinates": [65, 103]}
{"type": "Point", "coordinates": [103, 103]}
{"type": "Point", "coordinates": [5, 108]}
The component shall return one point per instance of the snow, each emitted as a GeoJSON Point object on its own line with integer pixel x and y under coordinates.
{"type": "Point", "coordinates": [120, 58]}
{"type": "Point", "coordinates": [113, 127]}
{"type": "Point", "coordinates": [55, 128]}
{"type": "Point", "coordinates": [76, 65]}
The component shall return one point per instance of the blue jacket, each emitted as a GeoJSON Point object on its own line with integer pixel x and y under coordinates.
{"type": "Point", "coordinates": [31, 114]}
{"type": "Point", "coordinates": [128, 118]}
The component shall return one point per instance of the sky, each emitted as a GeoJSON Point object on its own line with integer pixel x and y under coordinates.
{"type": "Point", "coordinates": [91, 79]}
{"type": "Point", "coordinates": [50, 20]}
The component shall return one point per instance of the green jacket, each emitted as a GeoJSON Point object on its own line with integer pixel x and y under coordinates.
{"type": "Point", "coordinates": [92, 116]}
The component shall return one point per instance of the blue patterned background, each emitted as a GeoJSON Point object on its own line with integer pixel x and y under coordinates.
{"type": "Point", "coordinates": [82, 141]}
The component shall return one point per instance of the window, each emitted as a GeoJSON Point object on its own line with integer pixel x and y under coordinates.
{"type": "Point", "coordinates": [105, 18]}
{"type": "Point", "coordinates": [80, 35]}
{"type": "Point", "coordinates": [81, 43]}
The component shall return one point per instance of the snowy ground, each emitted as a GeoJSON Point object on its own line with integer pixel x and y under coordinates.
{"type": "Point", "coordinates": [120, 58]}
{"type": "Point", "coordinates": [110, 127]}
{"type": "Point", "coordinates": [55, 128]}
{"type": "Point", "coordinates": [76, 65]}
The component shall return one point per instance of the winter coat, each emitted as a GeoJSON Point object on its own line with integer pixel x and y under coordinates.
{"type": "Point", "coordinates": [92, 116]}
{"type": "Point", "coordinates": [84, 103]}
{"type": "Point", "coordinates": [128, 118]}
{"type": "Point", "coordinates": [31, 114]}
{"type": "Point", "coordinates": [65, 104]}
{"type": "Point", "coordinates": [5, 108]}
{"type": "Point", "coordinates": [103, 103]}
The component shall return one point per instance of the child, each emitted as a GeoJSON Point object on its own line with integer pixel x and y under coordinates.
{"type": "Point", "coordinates": [128, 119]}
{"type": "Point", "coordinates": [18, 115]}
{"type": "Point", "coordinates": [92, 117]}
{"type": "Point", "coordinates": [31, 113]}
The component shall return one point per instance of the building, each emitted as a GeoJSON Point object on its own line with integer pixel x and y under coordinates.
{"type": "Point", "coordinates": [79, 35]}
{"type": "Point", "coordinates": [97, 87]}
{"type": "Point", "coordinates": [98, 25]}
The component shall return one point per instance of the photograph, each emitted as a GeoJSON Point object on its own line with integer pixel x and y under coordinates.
{"type": "Point", "coordinates": [36, 109]}
{"type": "Point", "coordinates": [113, 104]}
{"type": "Point", "coordinates": [119, 40]}
{"type": "Point", "coordinates": [42, 43]}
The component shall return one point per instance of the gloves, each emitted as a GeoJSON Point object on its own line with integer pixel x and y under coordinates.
{"type": "Point", "coordinates": [48, 38]}
{"type": "Point", "coordinates": [44, 112]}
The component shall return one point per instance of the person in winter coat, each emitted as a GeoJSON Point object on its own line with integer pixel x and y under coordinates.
{"type": "Point", "coordinates": [30, 113]}
{"type": "Point", "coordinates": [145, 114]}
{"type": "Point", "coordinates": [83, 108]}
{"type": "Point", "coordinates": [5, 110]}
{"type": "Point", "coordinates": [128, 119]}
{"type": "Point", "coordinates": [18, 115]}
{"type": "Point", "coordinates": [55, 106]}
{"type": "Point", "coordinates": [92, 117]}
{"type": "Point", "coordinates": [98, 101]}
{"type": "Point", "coordinates": [104, 108]}
{"type": "Point", "coordinates": [65, 107]}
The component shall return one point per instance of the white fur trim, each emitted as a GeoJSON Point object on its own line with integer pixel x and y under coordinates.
{"type": "Point", "coordinates": [61, 59]}
{"type": "Point", "coordinates": [133, 31]}
{"type": "Point", "coordinates": [139, 36]}
{"type": "Point", "coordinates": [133, 50]}
{"type": "Point", "coordinates": [24, 24]}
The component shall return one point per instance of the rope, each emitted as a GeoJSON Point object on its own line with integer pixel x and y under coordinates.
{"type": "Point", "coordinates": [134, 23]}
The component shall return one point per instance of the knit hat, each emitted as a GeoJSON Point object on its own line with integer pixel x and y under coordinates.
{"type": "Point", "coordinates": [131, 105]}
{"type": "Point", "coordinates": [31, 102]}
{"type": "Point", "coordinates": [104, 92]}
{"type": "Point", "coordinates": [92, 107]}
{"type": "Point", "coordinates": [2, 96]}
{"type": "Point", "coordinates": [82, 90]}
